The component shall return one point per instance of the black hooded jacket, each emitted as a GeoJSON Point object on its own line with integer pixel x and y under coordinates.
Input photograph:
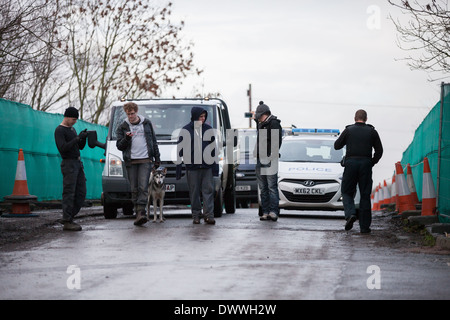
{"type": "Point", "coordinates": [191, 165]}
{"type": "Point", "coordinates": [271, 123]}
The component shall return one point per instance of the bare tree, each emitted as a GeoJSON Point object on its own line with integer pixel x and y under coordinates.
{"type": "Point", "coordinates": [123, 48]}
{"type": "Point", "coordinates": [427, 34]}
{"type": "Point", "coordinates": [17, 37]}
{"type": "Point", "coordinates": [30, 52]}
{"type": "Point", "coordinates": [86, 53]}
{"type": "Point", "coordinates": [48, 83]}
{"type": "Point", "coordinates": [78, 51]}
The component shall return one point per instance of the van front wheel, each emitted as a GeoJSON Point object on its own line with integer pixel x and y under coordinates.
{"type": "Point", "coordinates": [230, 200]}
{"type": "Point", "coordinates": [230, 192]}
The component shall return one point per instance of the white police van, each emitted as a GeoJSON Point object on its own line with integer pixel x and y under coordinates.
{"type": "Point", "coordinates": [310, 173]}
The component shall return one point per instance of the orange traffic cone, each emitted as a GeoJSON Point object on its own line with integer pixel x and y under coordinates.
{"type": "Point", "coordinates": [393, 190]}
{"type": "Point", "coordinates": [376, 200]}
{"type": "Point", "coordinates": [428, 191]}
{"type": "Point", "coordinates": [411, 184]}
{"type": "Point", "coordinates": [20, 198]}
{"type": "Point", "coordinates": [372, 202]}
{"type": "Point", "coordinates": [380, 197]}
{"type": "Point", "coordinates": [386, 194]}
{"type": "Point", "coordinates": [404, 199]}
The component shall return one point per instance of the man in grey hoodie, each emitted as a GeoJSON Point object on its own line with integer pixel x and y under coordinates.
{"type": "Point", "coordinates": [137, 140]}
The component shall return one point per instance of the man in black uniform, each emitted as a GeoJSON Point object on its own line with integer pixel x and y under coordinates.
{"type": "Point", "coordinates": [69, 145]}
{"type": "Point", "coordinates": [359, 138]}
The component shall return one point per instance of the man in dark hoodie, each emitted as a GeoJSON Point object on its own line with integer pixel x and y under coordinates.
{"type": "Point", "coordinates": [201, 165]}
{"type": "Point", "coordinates": [267, 148]}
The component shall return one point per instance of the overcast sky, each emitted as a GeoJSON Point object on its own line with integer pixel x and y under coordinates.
{"type": "Point", "coordinates": [314, 63]}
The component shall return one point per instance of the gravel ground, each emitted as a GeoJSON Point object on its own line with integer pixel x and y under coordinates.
{"type": "Point", "coordinates": [26, 230]}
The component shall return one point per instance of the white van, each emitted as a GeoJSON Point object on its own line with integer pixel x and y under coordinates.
{"type": "Point", "coordinates": [168, 116]}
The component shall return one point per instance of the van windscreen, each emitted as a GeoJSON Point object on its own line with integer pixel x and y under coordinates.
{"type": "Point", "coordinates": [167, 119]}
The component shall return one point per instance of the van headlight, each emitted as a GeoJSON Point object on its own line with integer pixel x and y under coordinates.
{"type": "Point", "coordinates": [115, 167]}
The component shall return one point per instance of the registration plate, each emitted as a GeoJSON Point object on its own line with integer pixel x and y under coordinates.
{"type": "Point", "coordinates": [311, 191]}
{"type": "Point", "coordinates": [170, 188]}
{"type": "Point", "coordinates": [243, 188]}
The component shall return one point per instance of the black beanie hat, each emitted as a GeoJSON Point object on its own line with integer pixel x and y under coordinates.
{"type": "Point", "coordinates": [261, 109]}
{"type": "Point", "coordinates": [71, 112]}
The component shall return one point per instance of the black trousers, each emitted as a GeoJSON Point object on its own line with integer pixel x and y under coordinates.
{"type": "Point", "coordinates": [358, 172]}
{"type": "Point", "coordinates": [74, 188]}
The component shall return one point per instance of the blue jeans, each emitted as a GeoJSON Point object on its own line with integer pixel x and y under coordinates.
{"type": "Point", "coordinates": [358, 171]}
{"type": "Point", "coordinates": [268, 187]}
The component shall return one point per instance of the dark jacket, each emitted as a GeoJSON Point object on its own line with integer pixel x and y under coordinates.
{"type": "Point", "coordinates": [124, 142]}
{"type": "Point", "coordinates": [195, 115]}
{"type": "Point", "coordinates": [360, 138]}
{"type": "Point", "coordinates": [271, 123]}
{"type": "Point", "coordinates": [68, 142]}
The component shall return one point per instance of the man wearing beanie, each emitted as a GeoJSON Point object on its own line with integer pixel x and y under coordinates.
{"type": "Point", "coordinates": [69, 145]}
{"type": "Point", "coordinates": [267, 148]}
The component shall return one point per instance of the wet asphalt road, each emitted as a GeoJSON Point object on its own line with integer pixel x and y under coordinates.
{"type": "Point", "coordinates": [303, 255]}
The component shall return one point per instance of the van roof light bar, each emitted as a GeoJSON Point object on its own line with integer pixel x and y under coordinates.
{"type": "Point", "coordinates": [297, 131]}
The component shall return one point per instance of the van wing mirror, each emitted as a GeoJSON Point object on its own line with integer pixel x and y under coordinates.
{"type": "Point", "coordinates": [235, 137]}
{"type": "Point", "coordinates": [92, 140]}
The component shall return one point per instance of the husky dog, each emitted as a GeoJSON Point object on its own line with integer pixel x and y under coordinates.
{"type": "Point", "coordinates": [156, 191]}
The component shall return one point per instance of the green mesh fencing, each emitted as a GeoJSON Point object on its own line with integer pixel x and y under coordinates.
{"type": "Point", "coordinates": [444, 163]}
{"type": "Point", "coordinates": [21, 127]}
{"type": "Point", "coordinates": [432, 140]}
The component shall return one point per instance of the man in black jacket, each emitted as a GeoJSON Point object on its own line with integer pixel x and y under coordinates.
{"type": "Point", "coordinates": [267, 149]}
{"type": "Point", "coordinates": [359, 138]}
{"type": "Point", "coordinates": [69, 145]}
{"type": "Point", "coordinates": [198, 149]}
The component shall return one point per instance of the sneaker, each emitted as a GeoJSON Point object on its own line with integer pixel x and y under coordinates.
{"type": "Point", "coordinates": [365, 231]}
{"type": "Point", "coordinates": [71, 226]}
{"type": "Point", "coordinates": [264, 217]}
{"type": "Point", "coordinates": [141, 218]}
{"type": "Point", "coordinates": [196, 221]}
{"type": "Point", "coordinates": [210, 221]}
{"type": "Point", "coordinates": [273, 216]}
{"type": "Point", "coordinates": [349, 224]}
